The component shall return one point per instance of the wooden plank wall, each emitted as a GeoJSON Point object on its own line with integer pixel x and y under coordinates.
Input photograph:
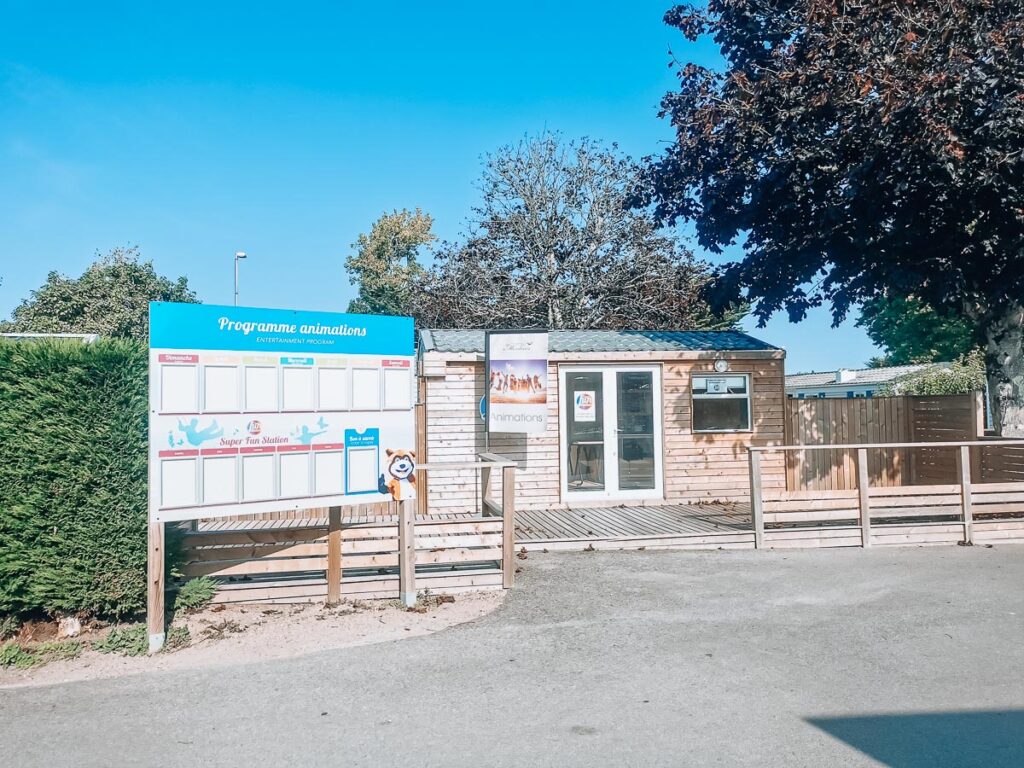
{"type": "Point", "coordinates": [1001, 463]}
{"type": "Point", "coordinates": [835, 421]}
{"type": "Point", "coordinates": [714, 467]}
{"type": "Point", "coordinates": [840, 421]}
{"type": "Point", "coordinates": [697, 467]}
{"type": "Point", "coordinates": [455, 432]}
{"type": "Point", "coordinates": [937, 419]}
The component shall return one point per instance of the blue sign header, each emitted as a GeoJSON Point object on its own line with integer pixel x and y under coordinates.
{"type": "Point", "coordinates": [250, 329]}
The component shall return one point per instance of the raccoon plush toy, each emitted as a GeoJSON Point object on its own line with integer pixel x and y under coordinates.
{"type": "Point", "coordinates": [400, 478]}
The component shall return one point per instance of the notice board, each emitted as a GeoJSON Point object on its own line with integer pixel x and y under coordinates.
{"type": "Point", "coordinates": [262, 410]}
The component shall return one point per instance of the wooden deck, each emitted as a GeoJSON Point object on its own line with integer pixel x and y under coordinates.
{"type": "Point", "coordinates": [679, 526]}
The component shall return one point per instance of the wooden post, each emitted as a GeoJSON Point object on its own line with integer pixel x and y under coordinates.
{"type": "Point", "coordinates": [979, 430]}
{"type": "Point", "coordinates": [406, 553]}
{"type": "Point", "coordinates": [756, 505]}
{"type": "Point", "coordinates": [863, 496]}
{"type": "Point", "coordinates": [421, 449]}
{"type": "Point", "coordinates": [964, 466]}
{"type": "Point", "coordinates": [508, 526]}
{"type": "Point", "coordinates": [485, 488]}
{"type": "Point", "coordinates": [979, 416]}
{"type": "Point", "coordinates": [912, 437]}
{"type": "Point", "coordinates": [155, 587]}
{"type": "Point", "coordinates": [334, 556]}
{"type": "Point", "coordinates": [421, 492]}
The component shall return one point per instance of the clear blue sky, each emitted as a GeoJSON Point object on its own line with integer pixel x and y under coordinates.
{"type": "Point", "coordinates": [195, 130]}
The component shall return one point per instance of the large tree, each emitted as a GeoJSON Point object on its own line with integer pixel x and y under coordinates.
{"type": "Point", "coordinates": [385, 264]}
{"type": "Point", "coordinates": [111, 298]}
{"type": "Point", "coordinates": [858, 148]}
{"type": "Point", "coordinates": [554, 243]}
{"type": "Point", "coordinates": [910, 331]}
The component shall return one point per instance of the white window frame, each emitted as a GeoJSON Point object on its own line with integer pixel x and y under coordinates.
{"type": "Point", "coordinates": [748, 396]}
{"type": "Point", "coordinates": [611, 491]}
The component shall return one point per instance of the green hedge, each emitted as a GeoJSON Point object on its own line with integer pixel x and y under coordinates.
{"type": "Point", "coordinates": [73, 477]}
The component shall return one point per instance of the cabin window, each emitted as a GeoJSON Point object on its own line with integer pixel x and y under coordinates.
{"type": "Point", "coordinates": [721, 403]}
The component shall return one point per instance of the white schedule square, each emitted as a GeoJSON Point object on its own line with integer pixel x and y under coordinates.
{"type": "Point", "coordinates": [294, 469]}
{"type": "Point", "coordinates": [327, 471]}
{"type": "Point", "coordinates": [179, 389]}
{"type": "Point", "coordinates": [220, 389]}
{"type": "Point", "coordinates": [397, 388]}
{"type": "Point", "coordinates": [219, 482]}
{"type": "Point", "coordinates": [333, 389]}
{"type": "Point", "coordinates": [258, 477]}
{"type": "Point", "coordinates": [177, 482]}
{"type": "Point", "coordinates": [297, 384]}
{"type": "Point", "coordinates": [362, 470]}
{"type": "Point", "coordinates": [366, 389]}
{"type": "Point", "coordinates": [261, 388]}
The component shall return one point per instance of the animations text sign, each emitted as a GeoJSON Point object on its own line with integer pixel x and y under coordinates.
{"type": "Point", "coordinates": [517, 381]}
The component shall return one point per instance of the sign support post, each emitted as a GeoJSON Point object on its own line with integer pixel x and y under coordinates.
{"type": "Point", "coordinates": [155, 587]}
{"type": "Point", "coordinates": [406, 553]}
{"type": "Point", "coordinates": [334, 556]}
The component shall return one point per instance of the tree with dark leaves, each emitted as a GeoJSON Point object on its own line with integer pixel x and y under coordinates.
{"type": "Point", "coordinates": [860, 148]}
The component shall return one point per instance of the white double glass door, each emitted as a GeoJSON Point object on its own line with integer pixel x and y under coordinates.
{"type": "Point", "coordinates": [611, 432]}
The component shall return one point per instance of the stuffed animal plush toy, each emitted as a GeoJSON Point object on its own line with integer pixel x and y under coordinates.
{"type": "Point", "coordinates": [400, 478]}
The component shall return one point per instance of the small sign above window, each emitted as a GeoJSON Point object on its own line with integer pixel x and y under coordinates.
{"type": "Point", "coordinates": [719, 385]}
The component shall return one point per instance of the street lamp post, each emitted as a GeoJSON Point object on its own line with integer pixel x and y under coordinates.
{"type": "Point", "coordinates": [239, 255]}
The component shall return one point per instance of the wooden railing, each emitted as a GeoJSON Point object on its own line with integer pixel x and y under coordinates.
{"type": "Point", "coordinates": [489, 508]}
{"type": "Point", "coordinates": [968, 510]}
{"type": "Point", "coordinates": [390, 552]}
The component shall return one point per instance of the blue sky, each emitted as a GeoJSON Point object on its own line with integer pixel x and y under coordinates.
{"type": "Point", "coordinates": [195, 130]}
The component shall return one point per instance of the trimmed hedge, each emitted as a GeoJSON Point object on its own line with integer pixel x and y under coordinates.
{"type": "Point", "coordinates": [73, 477]}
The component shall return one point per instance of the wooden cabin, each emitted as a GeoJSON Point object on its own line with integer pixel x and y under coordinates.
{"type": "Point", "coordinates": [672, 416]}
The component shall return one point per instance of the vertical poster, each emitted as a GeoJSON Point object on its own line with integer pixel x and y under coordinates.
{"type": "Point", "coordinates": [264, 410]}
{"type": "Point", "coordinates": [516, 372]}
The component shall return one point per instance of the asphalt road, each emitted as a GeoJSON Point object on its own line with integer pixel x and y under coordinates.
{"type": "Point", "coordinates": [907, 657]}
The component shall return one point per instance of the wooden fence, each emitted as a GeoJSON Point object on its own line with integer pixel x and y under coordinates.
{"type": "Point", "coordinates": [370, 560]}
{"type": "Point", "coordinates": [379, 551]}
{"type": "Point", "coordinates": [877, 420]}
{"type": "Point", "coordinates": [969, 510]}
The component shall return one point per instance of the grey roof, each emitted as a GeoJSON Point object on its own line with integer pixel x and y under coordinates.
{"type": "Point", "coordinates": [465, 340]}
{"type": "Point", "coordinates": [862, 376]}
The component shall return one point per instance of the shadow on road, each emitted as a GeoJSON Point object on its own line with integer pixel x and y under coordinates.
{"type": "Point", "coordinates": [992, 738]}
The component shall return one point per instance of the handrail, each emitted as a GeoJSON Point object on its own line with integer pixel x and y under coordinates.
{"type": "Point", "coordinates": [854, 446]}
{"type": "Point", "coordinates": [495, 458]}
{"type": "Point", "coordinates": [447, 465]}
